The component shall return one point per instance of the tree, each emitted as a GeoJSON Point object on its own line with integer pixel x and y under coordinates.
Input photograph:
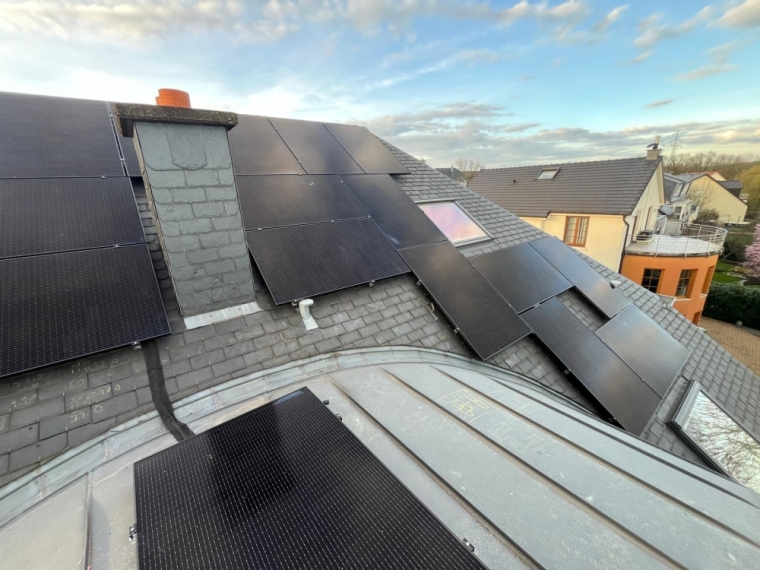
{"type": "Point", "coordinates": [752, 254]}
{"type": "Point", "coordinates": [469, 168]}
{"type": "Point", "coordinates": [707, 215]}
{"type": "Point", "coordinates": [729, 165]}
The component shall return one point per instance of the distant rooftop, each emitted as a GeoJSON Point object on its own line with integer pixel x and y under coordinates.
{"type": "Point", "coordinates": [598, 187]}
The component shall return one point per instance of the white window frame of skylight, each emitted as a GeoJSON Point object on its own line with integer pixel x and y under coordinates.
{"type": "Point", "coordinates": [554, 170]}
{"type": "Point", "coordinates": [463, 242]}
{"type": "Point", "coordinates": [680, 419]}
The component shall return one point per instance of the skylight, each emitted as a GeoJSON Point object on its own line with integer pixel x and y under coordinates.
{"type": "Point", "coordinates": [454, 222]}
{"type": "Point", "coordinates": [719, 438]}
{"type": "Point", "coordinates": [547, 174]}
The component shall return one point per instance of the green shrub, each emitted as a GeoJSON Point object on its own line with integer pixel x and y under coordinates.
{"type": "Point", "coordinates": [733, 247]}
{"type": "Point", "coordinates": [731, 303]}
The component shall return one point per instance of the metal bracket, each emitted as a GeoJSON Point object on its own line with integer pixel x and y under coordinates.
{"type": "Point", "coordinates": [132, 534]}
{"type": "Point", "coordinates": [136, 345]}
{"type": "Point", "coordinates": [468, 544]}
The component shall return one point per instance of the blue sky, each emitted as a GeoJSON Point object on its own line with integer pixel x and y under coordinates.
{"type": "Point", "coordinates": [504, 82]}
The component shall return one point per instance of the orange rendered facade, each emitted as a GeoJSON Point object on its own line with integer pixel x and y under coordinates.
{"type": "Point", "coordinates": [671, 267]}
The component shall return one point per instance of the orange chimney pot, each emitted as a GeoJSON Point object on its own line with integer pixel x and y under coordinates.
{"type": "Point", "coordinates": [173, 98]}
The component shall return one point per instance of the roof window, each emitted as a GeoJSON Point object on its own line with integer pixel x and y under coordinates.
{"type": "Point", "coordinates": [454, 222]}
{"type": "Point", "coordinates": [718, 437]}
{"type": "Point", "coordinates": [547, 174]}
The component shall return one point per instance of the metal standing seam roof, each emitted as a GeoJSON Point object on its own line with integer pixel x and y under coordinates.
{"type": "Point", "coordinates": [599, 187]}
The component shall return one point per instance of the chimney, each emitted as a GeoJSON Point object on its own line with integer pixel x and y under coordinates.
{"type": "Point", "coordinates": [187, 168]}
{"type": "Point", "coordinates": [653, 150]}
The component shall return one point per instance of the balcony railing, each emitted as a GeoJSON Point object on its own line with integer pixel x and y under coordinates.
{"type": "Point", "coordinates": [675, 238]}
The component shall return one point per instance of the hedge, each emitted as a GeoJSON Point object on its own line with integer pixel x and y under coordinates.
{"type": "Point", "coordinates": [731, 303]}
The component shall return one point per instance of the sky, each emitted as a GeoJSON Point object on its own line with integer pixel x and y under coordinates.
{"type": "Point", "coordinates": [506, 83]}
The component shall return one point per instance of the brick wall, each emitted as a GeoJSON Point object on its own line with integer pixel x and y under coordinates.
{"type": "Point", "coordinates": [192, 190]}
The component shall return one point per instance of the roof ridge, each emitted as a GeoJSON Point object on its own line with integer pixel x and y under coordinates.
{"type": "Point", "coordinates": [552, 164]}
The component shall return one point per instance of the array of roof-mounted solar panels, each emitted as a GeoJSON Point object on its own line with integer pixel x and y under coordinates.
{"type": "Point", "coordinates": [76, 275]}
{"type": "Point", "coordinates": [322, 213]}
{"type": "Point", "coordinates": [627, 366]}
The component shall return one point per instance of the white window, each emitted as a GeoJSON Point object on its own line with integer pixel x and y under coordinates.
{"type": "Point", "coordinates": [718, 437]}
{"type": "Point", "coordinates": [454, 222]}
{"type": "Point", "coordinates": [547, 174]}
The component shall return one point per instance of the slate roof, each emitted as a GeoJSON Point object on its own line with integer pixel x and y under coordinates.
{"type": "Point", "coordinates": [671, 181]}
{"type": "Point", "coordinates": [599, 187]}
{"type": "Point", "coordinates": [453, 173]}
{"type": "Point", "coordinates": [733, 186]}
{"type": "Point", "coordinates": [35, 409]}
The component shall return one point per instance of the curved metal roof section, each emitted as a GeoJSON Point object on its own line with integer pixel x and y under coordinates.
{"type": "Point", "coordinates": [527, 478]}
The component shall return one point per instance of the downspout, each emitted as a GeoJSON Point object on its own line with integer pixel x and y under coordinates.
{"type": "Point", "coordinates": [625, 241]}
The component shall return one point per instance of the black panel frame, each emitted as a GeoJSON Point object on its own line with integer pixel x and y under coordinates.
{"type": "Point", "coordinates": [292, 467]}
{"type": "Point", "coordinates": [396, 214]}
{"type": "Point", "coordinates": [585, 278]}
{"type": "Point", "coordinates": [521, 275]}
{"type": "Point", "coordinates": [317, 151]}
{"type": "Point", "coordinates": [446, 273]}
{"type": "Point", "coordinates": [594, 366]}
{"type": "Point", "coordinates": [10, 269]}
{"type": "Point", "coordinates": [631, 335]}
{"type": "Point", "coordinates": [366, 149]}
{"type": "Point", "coordinates": [52, 215]}
{"type": "Point", "coordinates": [273, 201]}
{"type": "Point", "coordinates": [284, 255]}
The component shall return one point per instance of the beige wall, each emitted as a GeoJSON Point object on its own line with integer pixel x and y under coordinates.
{"type": "Point", "coordinates": [712, 196]}
{"type": "Point", "coordinates": [650, 201]}
{"type": "Point", "coordinates": [604, 242]}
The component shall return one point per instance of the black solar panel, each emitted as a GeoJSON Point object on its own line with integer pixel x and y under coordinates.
{"type": "Point", "coordinates": [625, 396]}
{"type": "Point", "coordinates": [257, 148]}
{"type": "Point", "coordinates": [61, 306]}
{"type": "Point", "coordinates": [521, 275]}
{"type": "Point", "coordinates": [484, 319]}
{"type": "Point", "coordinates": [650, 351]}
{"type": "Point", "coordinates": [298, 262]}
{"type": "Point", "coordinates": [401, 220]}
{"type": "Point", "coordinates": [286, 485]}
{"type": "Point", "coordinates": [316, 149]}
{"type": "Point", "coordinates": [274, 201]}
{"type": "Point", "coordinates": [366, 149]}
{"type": "Point", "coordinates": [43, 137]}
{"type": "Point", "coordinates": [592, 285]}
{"type": "Point", "coordinates": [62, 214]}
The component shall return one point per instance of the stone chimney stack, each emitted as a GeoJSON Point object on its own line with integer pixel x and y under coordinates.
{"type": "Point", "coordinates": [653, 150]}
{"type": "Point", "coordinates": [187, 168]}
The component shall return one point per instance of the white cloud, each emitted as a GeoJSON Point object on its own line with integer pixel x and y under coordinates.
{"type": "Point", "coordinates": [598, 32]}
{"type": "Point", "coordinates": [478, 131]}
{"type": "Point", "coordinates": [745, 15]}
{"type": "Point", "coordinates": [660, 103]}
{"type": "Point", "coordinates": [705, 71]}
{"type": "Point", "coordinates": [653, 32]}
{"type": "Point", "coordinates": [638, 59]}
{"type": "Point", "coordinates": [259, 20]}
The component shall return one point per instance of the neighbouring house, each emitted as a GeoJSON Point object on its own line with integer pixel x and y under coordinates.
{"type": "Point", "coordinates": [596, 207]}
{"type": "Point", "coordinates": [284, 343]}
{"type": "Point", "coordinates": [710, 191]}
{"type": "Point", "coordinates": [455, 174]}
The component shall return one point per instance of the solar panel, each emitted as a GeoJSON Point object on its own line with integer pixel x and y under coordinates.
{"type": "Point", "coordinates": [648, 349]}
{"type": "Point", "coordinates": [62, 214]}
{"type": "Point", "coordinates": [257, 148]}
{"type": "Point", "coordinates": [366, 149]}
{"type": "Point", "coordinates": [521, 275]}
{"type": "Point", "coordinates": [316, 149]}
{"type": "Point", "coordinates": [484, 319]}
{"type": "Point", "coordinates": [273, 201]}
{"type": "Point", "coordinates": [61, 306]}
{"type": "Point", "coordinates": [401, 220]}
{"type": "Point", "coordinates": [298, 262]}
{"type": "Point", "coordinates": [286, 485]}
{"type": "Point", "coordinates": [625, 396]}
{"type": "Point", "coordinates": [44, 137]}
{"type": "Point", "coordinates": [591, 285]}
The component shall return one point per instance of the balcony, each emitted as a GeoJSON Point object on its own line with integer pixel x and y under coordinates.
{"type": "Point", "coordinates": [675, 238]}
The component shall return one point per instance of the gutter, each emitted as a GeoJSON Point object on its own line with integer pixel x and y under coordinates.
{"type": "Point", "coordinates": [625, 241]}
